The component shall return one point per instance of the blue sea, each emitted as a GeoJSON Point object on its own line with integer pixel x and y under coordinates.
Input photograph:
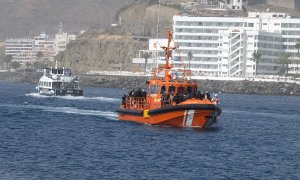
{"type": "Point", "coordinates": [257, 137]}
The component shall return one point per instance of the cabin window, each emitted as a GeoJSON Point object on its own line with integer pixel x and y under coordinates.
{"type": "Point", "coordinates": [55, 85]}
{"type": "Point", "coordinates": [60, 71]}
{"type": "Point", "coordinates": [171, 89]}
{"type": "Point", "coordinates": [153, 89]}
{"type": "Point", "coordinates": [189, 89]}
{"type": "Point", "coordinates": [68, 72]}
{"type": "Point", "coordinates": [163, 89]}
{"type": "Point", "coordinates": [180, 90]}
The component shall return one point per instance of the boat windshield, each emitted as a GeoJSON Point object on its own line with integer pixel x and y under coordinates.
{"type": "Point", "coordinates": [153, 89]}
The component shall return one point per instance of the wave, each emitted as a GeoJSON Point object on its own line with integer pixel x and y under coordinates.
{"type": "Point", "coordinates": [82, 98]}
{"type": "Point", "coordinates": [68, 110]}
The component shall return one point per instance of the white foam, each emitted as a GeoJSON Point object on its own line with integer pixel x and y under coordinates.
{"type": "Point", "coordinates": [37, 95]}
{"type": "Point", "coordinates": [83, 98]}
{"type": "Point", "coordinates": [70, 110]}
{"type": "Point", "coordinates": [67, 110]}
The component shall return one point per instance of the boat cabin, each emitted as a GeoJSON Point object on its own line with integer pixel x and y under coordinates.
{"type": "Point", "coordinates": [57, 71]}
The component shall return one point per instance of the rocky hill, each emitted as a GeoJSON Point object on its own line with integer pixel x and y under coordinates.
{"type": "Point", "coordinates": [25, 18]}
{"type": "Point", "coordinates": [114, 48]}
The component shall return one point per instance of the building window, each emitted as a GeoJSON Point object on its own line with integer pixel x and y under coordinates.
{"type": "Point", "coordinates": [250, 24]}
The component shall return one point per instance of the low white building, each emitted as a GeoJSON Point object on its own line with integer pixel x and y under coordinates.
{"type": "Point", "coordinates": [61, 40]}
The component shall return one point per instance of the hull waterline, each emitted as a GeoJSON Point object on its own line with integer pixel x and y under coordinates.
{"type": "Point", "coordinates": [191, 115]}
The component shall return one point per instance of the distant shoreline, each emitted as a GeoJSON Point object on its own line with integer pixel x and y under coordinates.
{"type": "Point", "coordinates": [132, 82]}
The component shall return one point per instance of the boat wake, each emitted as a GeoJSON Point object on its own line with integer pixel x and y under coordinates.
{"type": "Point", "coordinates": [71, 110]}
{"type": "Point", "coordinates": [67, 110]}
{"type": "Point", "coordinates": [80, 98]}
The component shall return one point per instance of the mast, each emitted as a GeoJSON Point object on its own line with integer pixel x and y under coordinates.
{"type": "Point", "coordinates": [56, 64]}
{"type": "Point", "coordinates": [168, 49]}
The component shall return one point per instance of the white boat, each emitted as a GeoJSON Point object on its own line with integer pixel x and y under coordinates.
{"type": "Point", "coordinates": [59, 82]}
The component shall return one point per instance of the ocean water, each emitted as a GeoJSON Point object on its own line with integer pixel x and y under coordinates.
{"type": "Point", "coordinates": [41, 137]}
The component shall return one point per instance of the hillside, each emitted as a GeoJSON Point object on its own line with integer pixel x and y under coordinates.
{"type": "Point", "coordinates": [25, 18]}
{"type": "Point", "coordinates": [114, 48]}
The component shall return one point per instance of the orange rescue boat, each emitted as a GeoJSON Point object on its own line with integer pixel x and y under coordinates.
{"type": "Point", "coordinates": [172, 99]}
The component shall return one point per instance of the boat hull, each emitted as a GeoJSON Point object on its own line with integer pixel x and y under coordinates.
{"type": "Point", "coordinates": [64, 92]}
{"type": "Point", "coordinates": [190, 115]}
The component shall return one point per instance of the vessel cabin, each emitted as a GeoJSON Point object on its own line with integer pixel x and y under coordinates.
{"type": "Point", "coordinates": [49, 84]}
{"type": "Point", "coordinates": [161, 92]}
{"type": "Point", "coordinates": [57, 71]}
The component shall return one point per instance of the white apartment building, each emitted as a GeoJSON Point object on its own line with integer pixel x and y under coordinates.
{"type": "Point", "coordinates": [231, 4]}
{"type": "Point", "coordinates": [27, 49]}
{"type": "Point", "coordinates": [20, 49]}
{"type": "Point", "coordinates": [61, 40]}
{"type": "Point", "coordinates": [45, 44]}
{"type": "Point", "coordinates": [223, 46]}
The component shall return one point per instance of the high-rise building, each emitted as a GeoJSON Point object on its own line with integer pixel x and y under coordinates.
{"type": "Point", "coordinates": [23, 50]}
{"type": "Point", "coordinates": [224, 46]}
{"type": "Point", "coordinates": [20, 49]}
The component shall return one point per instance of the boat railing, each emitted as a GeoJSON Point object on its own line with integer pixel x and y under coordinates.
{"type": "Point", "coordinates": [134, 103]}
{"type": "Point", "coordinates": [166, 103]}
{"type": "Point", "coordinates": [176, 73]}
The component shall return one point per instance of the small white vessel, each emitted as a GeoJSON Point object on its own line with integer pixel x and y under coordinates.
{"type": "Point", "coordinates": [59, 82]}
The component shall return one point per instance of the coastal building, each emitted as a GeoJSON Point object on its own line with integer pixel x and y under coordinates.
{"type": "Point", "coordinates": [21, 50]}
{"type": "Point", "coordinates": [231, 4]}
{"type": "Point", "coordinates": [223, 46]}
{"type": "Point", "coordinates": [24, 50]}
{"type": "Point", "coordinates": [45, 44]}
{"type": "Point", "coordinates": [61, 40]}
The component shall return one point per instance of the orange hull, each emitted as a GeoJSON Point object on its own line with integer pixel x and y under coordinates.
{"type": "Point", "coordinates": [190, 115]}
{"type": "Point", "coordinates": [188, 118]}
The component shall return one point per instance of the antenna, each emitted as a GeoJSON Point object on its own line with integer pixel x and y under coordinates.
{"type": "Point", "coordinates": [56, 64]}
{"type": "Point", "coordinates": [60, 28]}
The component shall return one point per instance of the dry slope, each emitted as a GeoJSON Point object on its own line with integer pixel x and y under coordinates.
{"type": "Point", "coordinates": [113, 49]}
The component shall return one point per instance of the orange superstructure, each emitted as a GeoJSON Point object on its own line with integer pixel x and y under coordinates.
{"type": "Point", "coordinates": [171, 99]}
